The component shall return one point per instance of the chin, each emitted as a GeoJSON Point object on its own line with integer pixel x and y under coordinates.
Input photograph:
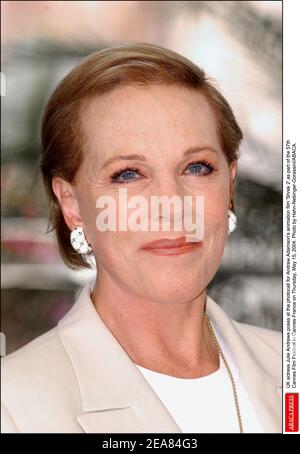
{"type": "Point", "coordinates": [174, 286]}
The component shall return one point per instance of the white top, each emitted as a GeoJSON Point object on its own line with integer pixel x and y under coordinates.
{"type": "Point", "coordinates": [206, 404]}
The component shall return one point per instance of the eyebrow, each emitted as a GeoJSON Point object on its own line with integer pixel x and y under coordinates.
{"type": "Point", "coordinates": [193, 150]}
{"type": "Point", "coordinates": [141, 157]}
{"type": "Point", "coordinates": [132, 157]}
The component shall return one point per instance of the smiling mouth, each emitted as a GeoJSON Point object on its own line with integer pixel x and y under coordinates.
{"type": "Point", "coordinates": [171, 247]}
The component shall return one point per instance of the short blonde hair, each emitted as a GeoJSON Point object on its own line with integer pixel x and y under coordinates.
{"type": "Point", "coordinates": [139, 64]}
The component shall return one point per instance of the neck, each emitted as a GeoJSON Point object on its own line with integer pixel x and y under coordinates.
{"type": "Point", "coordinates": [170, 338]}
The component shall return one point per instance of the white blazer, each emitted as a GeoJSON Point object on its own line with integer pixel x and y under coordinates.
{"type": "Point", "coordinates": [78, 378]}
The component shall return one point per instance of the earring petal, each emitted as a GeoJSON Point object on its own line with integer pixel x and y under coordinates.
{"type": "Point", "coordinates": [78, 241]}
{"type": "Point", "coordinates": [232, 222]}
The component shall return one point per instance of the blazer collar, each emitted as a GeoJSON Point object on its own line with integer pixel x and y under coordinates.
{"type": "Point", "coordinates": [115, 395]}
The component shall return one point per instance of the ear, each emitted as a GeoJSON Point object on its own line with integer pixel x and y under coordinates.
{"type": "Point", "coordinates": [232, 171]}
{"type": "Point", "coordinates": [68, 202]}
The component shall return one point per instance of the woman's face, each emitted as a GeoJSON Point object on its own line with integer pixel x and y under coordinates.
{"type": "Point", "coordinates": [136, 138]}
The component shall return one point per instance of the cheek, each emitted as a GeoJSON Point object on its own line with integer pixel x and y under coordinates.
{"type": "Point", "coordinates": [216, 215]}
{"type": "Point", "coordinates": [216, 193]}
{"type": "Point", "coordinates": [215, 208]}
{"type": "Point", "coordinates": [112, 251]}
{"type": "Point", "coordinates": [112, 246]}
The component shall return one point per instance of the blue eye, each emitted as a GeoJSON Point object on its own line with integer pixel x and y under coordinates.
{"type": "Point", "coordinates": [130, 174]}
{"type": "Point", "coordinates": [124, 176]}
{"type": "Point", "coordinates": [200, 169]}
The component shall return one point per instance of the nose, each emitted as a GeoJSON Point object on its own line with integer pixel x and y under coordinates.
{"type": "Point", "coordinates": [167, 202]}
{"type": "Point", "coordinates": [167, 185]}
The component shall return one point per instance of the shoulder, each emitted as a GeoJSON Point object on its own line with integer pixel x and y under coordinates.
{"type": "Point", "coordinates": [37, 354]}
{"type": "Point", "coordinates": [34, 377]}
{"type": "Point", "coordinates": [264, 346]}
{"type": "Point", "coordinates": [8, 425]}
{"type": "Point", "coordinates": [251, 345]}
{"type": "Point", "coordinates": [39, 382]}
{"type": "Point", "coordinates": [263, 337]}
{"type": "Point", "coordinates": [255, 337]}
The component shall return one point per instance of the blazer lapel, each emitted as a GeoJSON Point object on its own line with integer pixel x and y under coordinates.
{"type": "Point", "coordinates": [115, 396]}
{"type": "Point", "coordinates": [146, 414]}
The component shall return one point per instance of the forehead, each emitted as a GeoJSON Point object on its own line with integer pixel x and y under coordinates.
{"type": "Point", "coordinates": [149, 120]}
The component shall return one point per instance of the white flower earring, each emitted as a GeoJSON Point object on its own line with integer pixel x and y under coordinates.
{"type": "Point", "coordinates": [78, 241]}
{"type": "Point", "coordinates": [232, 222]}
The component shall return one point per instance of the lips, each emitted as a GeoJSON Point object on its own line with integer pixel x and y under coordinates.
{"type": "Point", "coordinates": [170, 247]}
